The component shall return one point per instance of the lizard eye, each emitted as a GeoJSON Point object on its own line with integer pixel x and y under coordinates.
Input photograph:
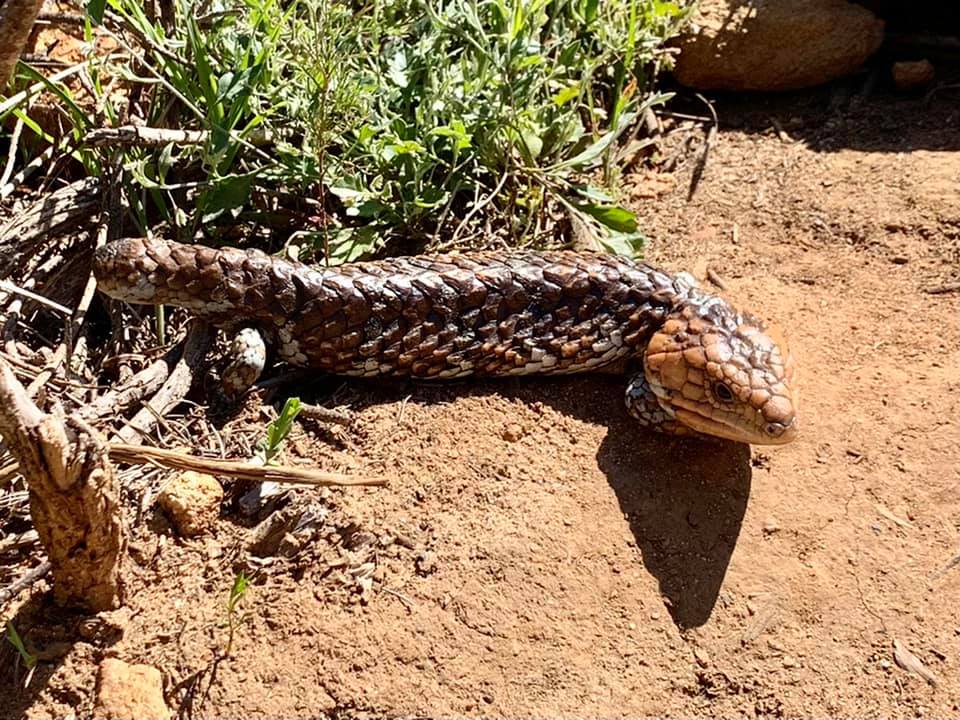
{"type": "Point", "coordinates": [722, 392]}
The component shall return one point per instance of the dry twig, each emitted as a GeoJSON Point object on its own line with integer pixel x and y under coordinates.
{"type": "Point", "coordinates": [29, 578]}
{"type": "Point", "coordinates": [242, 470]}
{"type": "Point", "coordinates": [943, 289]}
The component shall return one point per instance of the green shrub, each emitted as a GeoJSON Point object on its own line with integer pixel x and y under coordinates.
{"type": "Point", "coordinates": [348, 126]}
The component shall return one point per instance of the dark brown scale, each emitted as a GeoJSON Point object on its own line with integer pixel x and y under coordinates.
{"type": "Point", "coordinates": [487, 313]}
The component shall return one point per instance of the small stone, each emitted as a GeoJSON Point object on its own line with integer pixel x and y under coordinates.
{"type": "Point", "coordinates": [128, 691]}
{"type": "Point", "coordinates": [702, 657]}
{"type": "Point", "coordinates": [789, 661]}
{"type": "Point", "coordinates": [488, 698]}
{"type": "Point", "coordinates": [426, 563]}
{"type": "Point", "coordinates": [290, 545]}
{"type": "Point", "coordinates": [105, 627]}
{"type": "Point", "coordinates": [512, 432]}
{"type": "Point", "coordinates": [912, 74]}
{"type": "Point", "coordinates": [899, 259]}
{"type": "Point", "coordinates": [885, 664]}
{"type": "Point", "coordinates": [192, 501]}
{"type": "Point", "coordinates": [771, 526]}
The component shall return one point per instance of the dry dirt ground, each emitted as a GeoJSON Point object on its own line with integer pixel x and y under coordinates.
{"type": "Point", "coordinates": [536, 554]}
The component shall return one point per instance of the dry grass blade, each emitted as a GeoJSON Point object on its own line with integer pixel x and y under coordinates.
{"type": "Point", "coordinates": [121, 452]}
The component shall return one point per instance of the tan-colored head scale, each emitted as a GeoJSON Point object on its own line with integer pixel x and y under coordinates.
{"type": "Point", "coordinates": [724, 373]}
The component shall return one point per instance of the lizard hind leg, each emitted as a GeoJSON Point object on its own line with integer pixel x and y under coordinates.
{"type": "Point", "coordinates": [643, 405]}
{"type": "Point", "coordinates": [248, 353]}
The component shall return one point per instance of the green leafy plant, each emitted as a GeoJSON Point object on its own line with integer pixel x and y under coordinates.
{"type": "Point", "coordinates": [352, 128]}
{"type": "Point", "coordinates": [278, 430]}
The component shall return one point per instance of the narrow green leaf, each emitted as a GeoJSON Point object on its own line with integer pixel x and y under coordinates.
{"type": "Point", "coordinates": [626, 244]}
{"type": "Point", "coordinates": [590, 155]}
{"type": "Point", "coordinates": [95, 10]}
{"type": "Point", "coordinates": [566, 95]}
{"type": "Point", "coordinates": [612, 216]}
{"type": "Point", "coordinates": [227, 193]}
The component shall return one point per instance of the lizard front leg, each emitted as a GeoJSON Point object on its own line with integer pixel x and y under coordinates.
{"type": "Point", "coordinates": [248, 353]}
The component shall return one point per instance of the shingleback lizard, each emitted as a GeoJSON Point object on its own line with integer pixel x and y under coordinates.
{"type": "Point", "coordinates": [697, 365]}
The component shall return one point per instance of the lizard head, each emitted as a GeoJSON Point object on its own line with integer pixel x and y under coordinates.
{"type": "Point", "coordinates": [724, 373]}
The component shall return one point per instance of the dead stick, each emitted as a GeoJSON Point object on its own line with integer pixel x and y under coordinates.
{"type": "Point", "coordinates": [943, 289]}
{"type": "Point", "coordinates": [713, 277]}
{"type": "Point", "coordinates": [18, 586]}
{"type": "Point", "coordinates": [120, 398]}
{"type": "Point", "coordinates": [323, 414]}
{"type": "Point", "coordinates": [139, 454]}
{"type": "Point", "coordinates": [139, 136]}
{"type": "Point", "coordinates": [144, 136]}
{"type": "Point", "coordinates": [176, 386]}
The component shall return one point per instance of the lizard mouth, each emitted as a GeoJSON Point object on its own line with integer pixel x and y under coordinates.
{"type": "Point", "coordinates": [730, 430]}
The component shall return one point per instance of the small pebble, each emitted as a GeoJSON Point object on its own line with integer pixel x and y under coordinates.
{"type": "Point", "coordinates": [913, 75]}
{"type": "Point", "coordinates": [789, 661]}
{"type": "Point", "coordinates": [702, 657]}
{"type": "Point", "coordinates": [771, 526]}
{"type": "Point", "coordinates": [426, 563]}
{"type": "Point", "coordinates": [512, 432]}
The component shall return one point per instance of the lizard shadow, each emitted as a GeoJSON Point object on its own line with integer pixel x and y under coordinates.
{"type": "Point", "coordinates": [684, 499]}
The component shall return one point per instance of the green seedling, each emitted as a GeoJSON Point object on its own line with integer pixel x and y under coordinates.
{"type": "Point", "coordinates": [278, 430]}
{"type": "Point", "coordinates": [239, 588]}
{"type": "Point", "coordinates": [13, 637]}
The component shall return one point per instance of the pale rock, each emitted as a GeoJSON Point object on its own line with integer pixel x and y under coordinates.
{"type": "Point", "coordinates": [192, 501]}
{"type": "Point", "coordinates": [774, 44]}
{"type": "Point", "coordinates": [129, 692]}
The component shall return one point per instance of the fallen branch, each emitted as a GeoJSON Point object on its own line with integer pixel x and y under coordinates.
{"type": "Point", "coordinates": [710, 136]}
{"type": "Point", "coordinates": [139, 136]}
{"type": "Point", "coordinates": [117, 400]}
{"type": "Point", "coordinates": [74, 497]}
{"type": "Point", "coordinates": [66, 211]}
{"type": "Point", "coordinates": [323, 414]}
{"type": "Point", "coordinates": [141, 454]}
{"type": "Point", "coordinates": [176, 386]}
{"type": "Point", "coordinates": [240, 470]}
{"type": "Point", "coordinates": [144, 136]}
